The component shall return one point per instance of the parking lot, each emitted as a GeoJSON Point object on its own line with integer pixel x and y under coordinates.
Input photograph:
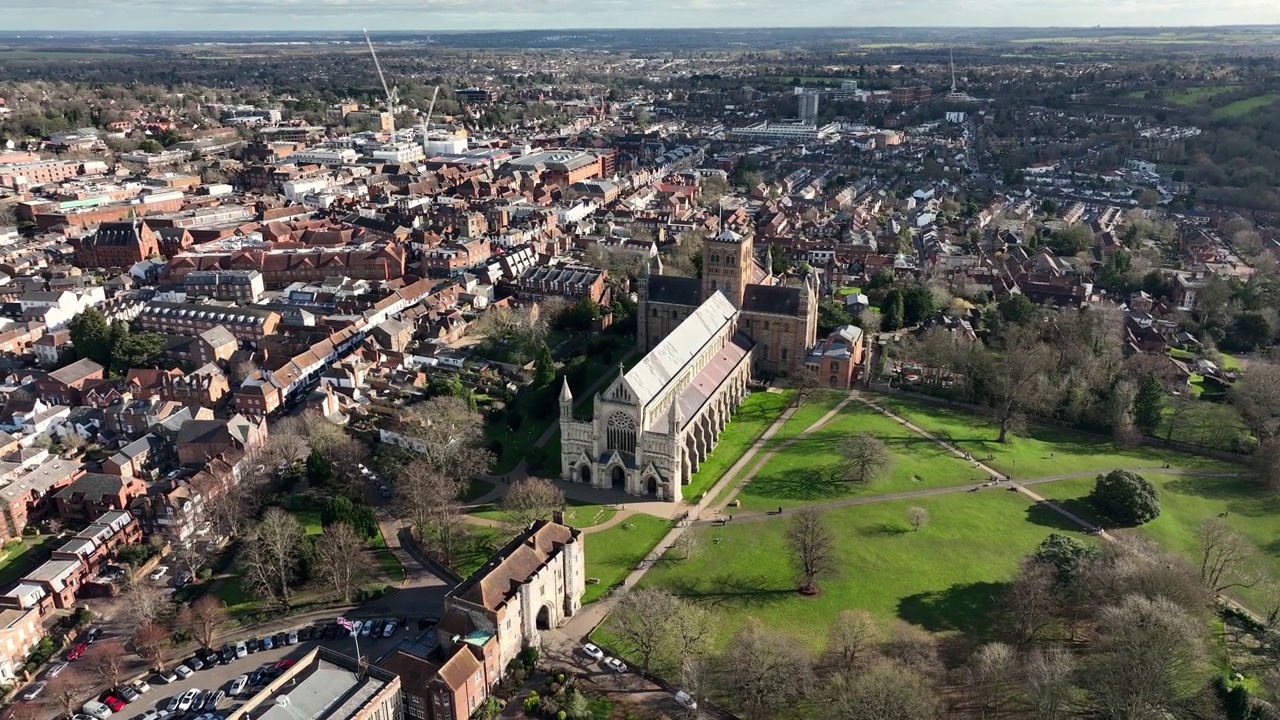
{"type": "Point", "coordinates": [220, 676]}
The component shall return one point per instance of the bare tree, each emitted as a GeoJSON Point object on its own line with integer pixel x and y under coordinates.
{"type": "Point", "coordinates": [204, 619]}
{"type": "Point", "coordinates": [1265, 465]}
{"type": "Point", "coordinates": [765, 671]}
{"type": "Point", "coordinates": [342, 562]}
{"type": "Point", "coordinates": [918, 517]}
{"type": "Point", "coordinates": [863, 458]}
{"type": "Point", "coordinates": [812, 546]}
{"type": "Point", "coordinates": [1257, 396]}
{"type": "Point", "coordinates": [640, 620]}
{"type": "Point", "coordinates": [990, 671]}
{"type": "Point", "coordinates": [690, 633]}
{"type": "Point", "coordinates": [144, 602]}
{"type": "Point", "coordinates": [851, 641]}
{"type": "Point", "coordinates": [450, 436]}
{"type": "Point", "coordinates": [107, 661]}
{"type": "Point", "coordinates": [1227, 558]}
{"type": "Point", "coordinates": [886, 690]}
{"type": "Point", "coordinates": [913, 647]}
{"type": "Point", "coordinates": [1030, 603]}
{"type": "Point", "coordinates": [1050, 686]}
{"type": "Point", "coordinates": [1151, 657]}
{"type": "Point", "coordinates": [687, 545]}
{"type": "Point", "coordinates": [1013, 378]}
{"type": "Point", "coordinates": [531, 499]}
{"type": "Point", "coordinates": [66, 692]}
{"type": "Point", "coordinates": [150, 641]}
{"type": "Point", "coordinates": [271, 553]}
{"type": "Point", "coordinates": [806, 385]}
{"type": "Point", "coordinates": [26, 711]}
{"type": "Point", "coordinates": [186, 554]}
{"type": "Point", "coordinates": [430, 500]}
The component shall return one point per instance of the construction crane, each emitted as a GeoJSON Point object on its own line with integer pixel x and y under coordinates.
{"type": "Point", "coordinates": [390, 92]}
{"type": "Point", "coordinates": [426, 122]}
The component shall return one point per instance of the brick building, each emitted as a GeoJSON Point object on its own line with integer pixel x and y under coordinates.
{"type": "Point", "coordinates": [117, 245]}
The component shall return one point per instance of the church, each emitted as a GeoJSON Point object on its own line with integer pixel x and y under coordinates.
{"type": "Point", "coordinates": [705, 339]}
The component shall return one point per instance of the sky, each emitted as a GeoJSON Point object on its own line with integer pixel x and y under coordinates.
{"type": "Point", "coordinates": [428, 15]}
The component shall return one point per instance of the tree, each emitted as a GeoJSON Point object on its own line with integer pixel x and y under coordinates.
{"type": "Point", "coordinates": [892, 311]}
{"type": "Point", "coordinates": [990, 670]}
{"type": "Point", "coordinates": [863, 458]}
{"type": "Point", "coordinates": [832, 314]}
{"type": "Point", "coordinates": [917, 304]}
{"type": "Point", "coordinates": [91, 336]}
{"type": "Point", "coordinates": [342, 562]}
{"type": "Point", "coordinates": [887, 690]}
{"type": "Point", "coordinates": [1148, 404]}
{"type": "Point", "coordinates": [271, 554]}
{"type": "Point", "coordinates": [1030, 604]}
{"type": "Point", "coordinates": [107, 661]}
{"type": "Point", "coordinates": [1257, 396]}
{"type": "Point", "coordinates": [530, 500]}
{"type": "Point", "coordinates": [204, 619]}
{"type": "Point", "coordinates": [430, 500]}
{"type": "Point", "coordinates": [544, 372]}
{"type": "Point", "coordinates": [640, 620]}
{"type": "Point", "coordinates": [150, 641]}
{"type": "Point", "coordinates": [1125, 498]}
{"type": "Point", "coordinates": [851, 641]}
{"type": "Point", "coordinates": [918, 517]}
{"type": "Point", "coordinates": [1049, 685]}
{"type": "Point", "coordinates": [1017, 309]}
{"type": "Point", "coordinates": [358, 517]}
{"type": "Point", "coordinates": [1227, 558]}
{"type": "Point", "coordinates": [1066, 555]}
{"type": "Point", "coordinates": [144, 602]}
{"type": "Point", "coordinates": [1265, 465]}
{"type": "Point", "coordinates": [768, 672]}
{"type": "Point", "coordinates": [1150, 658]}
{"type": "Point", "coordinates": [1249, 331]}
{"type": "Point", "coordinates": [67, 691]}
{"type": "Point", "coordinates": [319, 469]}
{"type": "Point", "coordinates": [450, 436]}
{"type": "Point", "coordinates": [1012, 378]}
{"type": "Point", "coordinates": [812, 546]}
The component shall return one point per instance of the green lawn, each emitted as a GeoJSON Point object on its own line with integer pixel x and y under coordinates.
{"type": "Point", "coordinates": [755, 416]}
{"type": "Point", "coordinates": [1244, 107]}
{"type": "Point", "coordinates": [479, 544]}
{"type": "Point", "coordinates": [232, 592]}
{"type": "Point", "coordinates": [819, 404]}
{"type": "Point", "coordinates": [19, 557]}
{"type": "Point", "coordinates": [943, 577]}
{"type": "Point", "coordinates": [613, 553]}
{"type": "Point", "coordinates": [579, 513]}
{"type": "Point", "coordinates": [476, 489]}
{"type": "Point", "coordinates": [801, 474]}
{"type": "Point", "coordinates": [1185, 501]}
{"type": "Point", "coordinates": [310, 520]}
{"type": "Point", "coordinates": [1190, 96]}
{"type": "Point", "coordinates": [391, 568]}
{"type": "Point", "coordinates": [1043, 451]}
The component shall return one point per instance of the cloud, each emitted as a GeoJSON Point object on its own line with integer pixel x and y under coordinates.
{"type": "Point", "coordinates": [249, 15]}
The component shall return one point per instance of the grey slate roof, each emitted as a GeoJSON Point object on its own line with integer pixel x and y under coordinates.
{"type": "Point", "coordinates": [675, 290]}
{"type": "Point", "coordinates": [666, 361]}
{"type": "Point", "coordinates": [771, 299]}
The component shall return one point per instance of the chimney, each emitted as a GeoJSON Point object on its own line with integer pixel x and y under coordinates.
{"type": "Point", "coordinates": [557, 517]}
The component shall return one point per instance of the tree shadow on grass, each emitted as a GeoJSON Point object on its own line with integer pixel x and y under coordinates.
{"type": "Point", "coordinates": [1272, 548]}
{"type": "Point", "coordinates": [963, 607]}
{"type": "Point", "coordinates": [1043, 514]}
{"type": "Point", "coordinates": [1240, 494]}
{"type": "Point", "coordinates": [800, 484]}
{"type": "Point", "coordinates": [734, 589]}
{"type": "Point", "coordinates": [883, 529]}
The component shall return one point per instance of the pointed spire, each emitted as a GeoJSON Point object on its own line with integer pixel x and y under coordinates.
{"type": "Point", "coordinates": [675, 419]}
{"type": "Point", "coordinates": [655, 267]}
{"type": "Point", "coordinates": [768, 261]}
{"type": "Point", "coordinates": [565, 394]}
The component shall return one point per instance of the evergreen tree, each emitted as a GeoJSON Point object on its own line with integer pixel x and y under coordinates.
{"type": "Point", "coordinates": [91, 336]}
{"type": "Point", "coordinates": [1148, 403]}
{"type": "Point", "coordinates": [544, 368]}
{"type": "Point", "coordinates": [892, 311]}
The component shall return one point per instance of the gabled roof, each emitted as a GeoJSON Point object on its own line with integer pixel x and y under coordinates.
{"type": "Point", "coordinates": [78, 370]}
{"type": "Point", "coordinates": [666, 361]}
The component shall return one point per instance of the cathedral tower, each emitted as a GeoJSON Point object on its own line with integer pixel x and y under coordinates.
{"type": "Point", "coordinates": [727, 261]}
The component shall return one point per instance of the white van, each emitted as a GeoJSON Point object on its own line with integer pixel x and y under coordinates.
{"type": "Point", "coordinates": [96, 709]}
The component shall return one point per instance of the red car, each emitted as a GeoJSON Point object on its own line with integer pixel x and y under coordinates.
{"type": "Point", "coordinates": [113, 702]}
{"type": "Point", "coordinates": [77, 651]}
{"type": "Point", "coordinates": [284, 664]}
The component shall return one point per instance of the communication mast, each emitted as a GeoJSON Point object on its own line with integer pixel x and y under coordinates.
{"type": "Point", "coordinates": [390, 92]}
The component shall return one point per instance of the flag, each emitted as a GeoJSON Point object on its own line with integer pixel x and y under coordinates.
{"type": "Point", "coordinates": [346, 624]}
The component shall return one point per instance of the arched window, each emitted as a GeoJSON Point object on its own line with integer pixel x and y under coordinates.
{"type": "Point", "coordinates": [715, 257]}
{"type": "Point", "coordinates": [620, 432]}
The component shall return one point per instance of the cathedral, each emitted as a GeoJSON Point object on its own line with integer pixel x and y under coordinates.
{"type": "Point", "coordinates": [704, 339]}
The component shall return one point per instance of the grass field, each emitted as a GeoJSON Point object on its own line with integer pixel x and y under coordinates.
{"type": "Point", "coordinates": [478, 545]}
{"type": "Point", "coordinates": [1185, 501]}
{"type": "Point", "coordinates": [613, 553]}
{"type": "Point", "coordinates": [943, 577]}
{"type": "Point", "coordinates": [801, 474]}
{"type": "Point", "coordinates": [391, 568]}
{"type": "Point", "coordinates": [1042, 451]}
{"type": "Point", "coordinates": [819, 404]}
{"type": "Point", "coordinates": [579, 513]}
{"type": "Point", "coordinates": [11, 54]}
{"type": "Point", "coordinates": [1189, 96]}
{"type": "Point", "coordinates": [755, 416]}
{"type": "Point", "coordinates": [20, 556]}
{"type": "Point", "coordinates": [1244, 107]}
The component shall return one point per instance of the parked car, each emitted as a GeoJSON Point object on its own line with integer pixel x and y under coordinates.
{"type": "Point", "coordinates": [55, 670]}
{"type": "Point", "coordinates": [280, 639]}
{"type": "Point", "coordinates": [268, 643]}
{"type": "Point", "coordinates": [141, 687]}
{"type": "Point", "coordinates": [238, 685]}
{"type": "Point", "coordinates": [159, 572]}
{"type": "Point", "coordinates": [81, 716]}
{"type": "Point", "coordinates": [195, 663]}
{"type": "Point", "coordinates": [183, 672]}
{"type": "Point", "coordinates": [150, 715]}
{"type": "Point", "coordinates": [593, 652]}
{"type": "Point", "coordinates": [255, 677]}
{"type": "Point", "coordinates": [34, 690]}
{"type": "Point", "coordinates": [188, 700]}
{"type": "Point", "coordinates": [686, 700]}
{"type": "Point", "coordinates": [113, 702]}
{"type": "Point", "coordinates": [390, 629]}
{"type": "Point", "coordinates": [253, 645]}
{"type": "Point", "coordinates": [226, 654]}
{"type": "Point", "coordinates": [174, 702]}
{"type": "Point", "coordinates": [241, 649]}
{"type": "Point", "coordinates": [366, 628]}
{"type": "Point", "coordinates": [331, 631]}
{"type": "Point", "coordinates": [96, 709]}
{"type": "Point", "coordinates": [201, 699]}
{"type": "Point", "coordinates": [75, 652]}
{"type": "Point", "coordinates": [126, 693]}
{"type": "Point", "coordinates": [212, 704]}
{"type": "Point", "coordinates": [292, 639]}
{"type": "Point", "coordinates": [615, 664]}
{"type": "Point", "coordinates": [304, 634]}
{"type": "Point", "coordinates": [284, 664]}
{"type": "Point", "coordinates": [385, 491]}
{"type": "Point", "coordinates": [92, 634]}
{"type": "Point", "coordinates": [183, 579]}
{"type": "Point", "coordinates": [166, 677]}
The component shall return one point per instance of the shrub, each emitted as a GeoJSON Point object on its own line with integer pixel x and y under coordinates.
{"type": "Point", "coordinates": [531, 702]}
{"type": "Point", "coordinates": [31, 531]}
{"type": "Point", "coordinates": [528, 657]}
{"type": "Point", "coordinates": [1125, 498]}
